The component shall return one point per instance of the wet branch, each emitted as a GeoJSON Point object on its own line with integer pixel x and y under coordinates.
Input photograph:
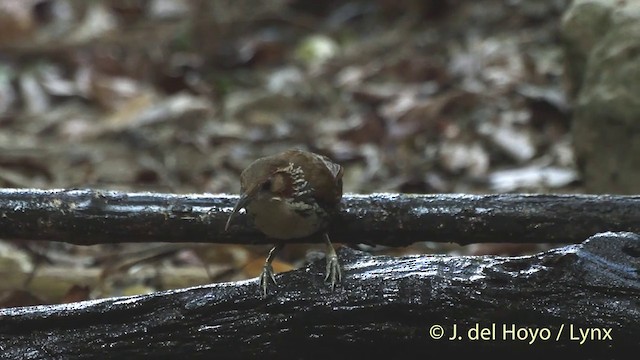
{"type": "Point", "coordinates": [93, 216]}
{"type": "Point", "coordinates": [386, 306]}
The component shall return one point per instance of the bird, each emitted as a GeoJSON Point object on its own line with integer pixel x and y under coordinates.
{"type": "Point", "coordinates": [290, 195]}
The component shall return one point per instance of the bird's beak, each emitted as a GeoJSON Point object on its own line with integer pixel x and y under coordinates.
{"type": "Point", "coordinates": [242, 202]}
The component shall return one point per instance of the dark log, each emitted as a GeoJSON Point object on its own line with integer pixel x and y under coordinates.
{"type": "Point", "coordinates": [87, 217]}
{"type": "Point", "coordinates": [385, 307]}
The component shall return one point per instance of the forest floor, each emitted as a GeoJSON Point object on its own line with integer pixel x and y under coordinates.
{"type": "Point", "coordinates": [179, 96]}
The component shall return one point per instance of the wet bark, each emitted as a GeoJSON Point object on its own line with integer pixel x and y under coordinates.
{"type": "Point", "coordinates": [385, 306]}
{"type": "Point", "coordinates": [92, 216]}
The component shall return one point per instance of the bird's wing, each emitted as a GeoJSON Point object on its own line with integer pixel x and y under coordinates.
{"type": "Point", "coordinates": [335, 169]}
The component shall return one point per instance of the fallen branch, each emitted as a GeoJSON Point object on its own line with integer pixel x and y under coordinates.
{"type": "Point", "coordinates": [385, 306]}
{"type": "Point", "coordinates": [87, 217]}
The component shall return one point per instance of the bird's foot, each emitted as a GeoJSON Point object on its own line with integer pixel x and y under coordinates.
{"type": "Point", "coordinates": [267, 270]}
{"type": "Point", "coordinates": [267, 276]}
{"type": "Point", "coordinates": [333, 273]}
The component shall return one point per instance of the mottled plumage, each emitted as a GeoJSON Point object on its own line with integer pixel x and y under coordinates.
{"type": "Point", "coordinates": [292, 195]}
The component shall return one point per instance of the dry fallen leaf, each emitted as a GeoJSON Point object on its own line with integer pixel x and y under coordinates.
{"type": "Point", "coordinates": [76, 293]}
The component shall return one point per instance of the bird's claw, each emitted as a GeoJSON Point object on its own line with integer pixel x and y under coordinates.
{"type": "Point", "coordinates": [333, 272]}
{"type": "Point", "coordinates": [266, 276]}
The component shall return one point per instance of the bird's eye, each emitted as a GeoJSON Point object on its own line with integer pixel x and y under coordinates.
{"type": "Point", "coordinates": [266, 185]}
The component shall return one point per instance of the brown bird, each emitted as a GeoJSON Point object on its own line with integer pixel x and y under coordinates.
{"type": "Point", "coordinates": [292, 195]}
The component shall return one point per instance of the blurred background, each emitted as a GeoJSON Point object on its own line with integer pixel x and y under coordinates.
{"type": "Point", "coordinates": [417, 96]}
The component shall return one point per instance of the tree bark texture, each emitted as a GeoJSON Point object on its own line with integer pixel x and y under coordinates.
{"type": "Point", "coordinates": [385, 306]}
{"type": "Point", "coordinates": [87, 217]}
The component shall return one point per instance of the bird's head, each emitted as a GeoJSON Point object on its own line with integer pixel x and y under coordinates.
{"type": "Point", "coordinates": [264, 184]}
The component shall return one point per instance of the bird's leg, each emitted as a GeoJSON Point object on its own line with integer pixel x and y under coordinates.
{"type": "Point", "coordinates": [333, 272]}
{"type": "Point", "coordinates": [267, 270]}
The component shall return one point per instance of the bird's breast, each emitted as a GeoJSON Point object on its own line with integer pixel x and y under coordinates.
{"type": "Point", "coordinates": [284, 218]}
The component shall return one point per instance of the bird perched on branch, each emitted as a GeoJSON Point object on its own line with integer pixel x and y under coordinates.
{"type": "Point", "coordinates": [292, 195]}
